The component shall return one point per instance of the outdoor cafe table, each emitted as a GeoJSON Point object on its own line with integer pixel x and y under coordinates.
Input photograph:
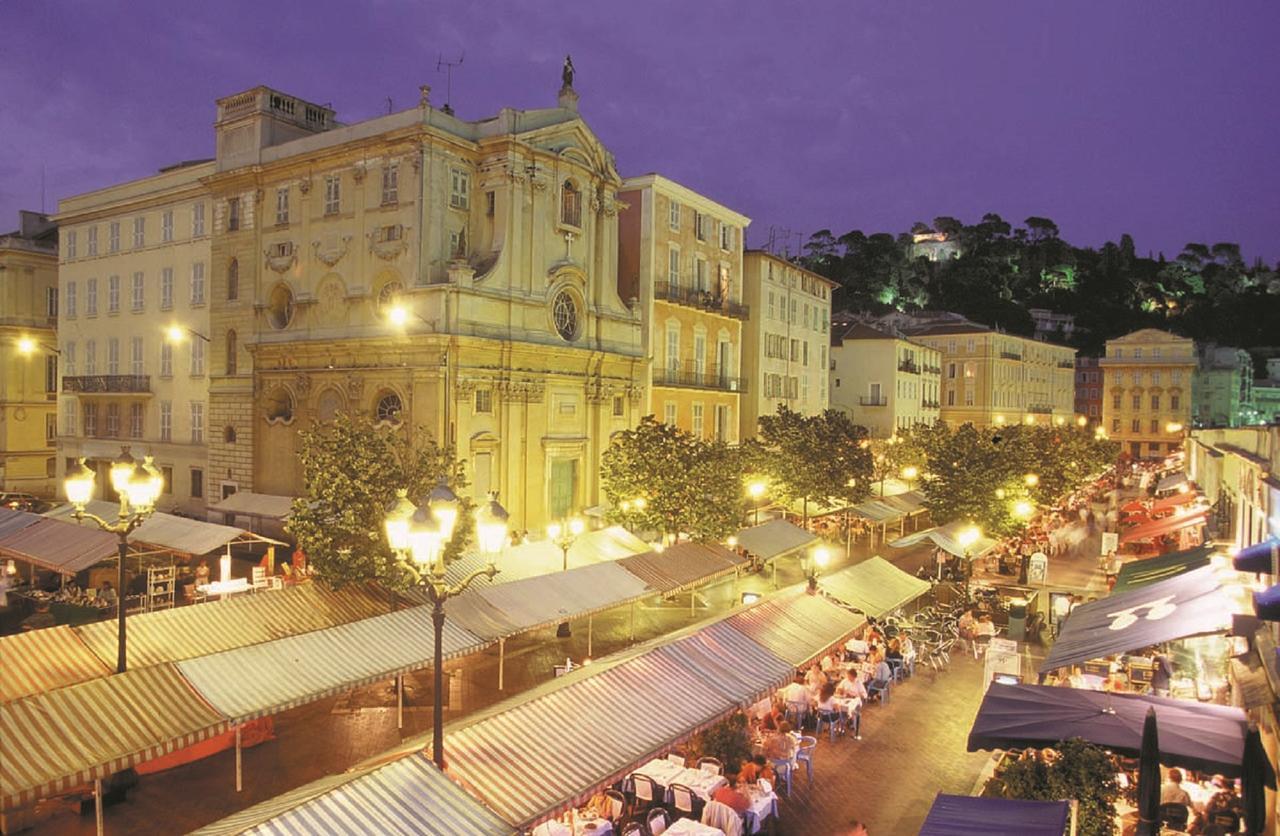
{"type": "Point", "coordinates": [762, 806]}
{"type": "Point", "coordinates": [665, 773]}
{"type": "Point", "coordinates": [689, 827]}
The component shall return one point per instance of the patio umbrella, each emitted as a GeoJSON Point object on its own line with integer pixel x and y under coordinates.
{"type": "Point", "coordinates": [1257, 776]}
{"type": "Point", "coordinates": [1149, 778]}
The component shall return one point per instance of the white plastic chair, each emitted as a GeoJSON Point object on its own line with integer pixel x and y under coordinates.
{"type": "Point", "coordinates": [259, 578]}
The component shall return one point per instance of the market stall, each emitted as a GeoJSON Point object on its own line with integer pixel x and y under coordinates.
{"type": "Point", "coordinates": [962, 815]}
{"type": "Point", "coordinates": [1184, 530]}
{"type": "Point", "coordinates": [774, 539]}
{"type": "Point", "coordinates": [41, 660]}
{"type": "Point", "coordinates": [874, 587]}
{"type": "Point", "coordinates": [947, 537]}
{"type": "Point", "coordinates": [543, 557]}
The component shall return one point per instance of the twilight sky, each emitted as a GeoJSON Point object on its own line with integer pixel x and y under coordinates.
{"type": "Point", "coordinates": [1157, 119]}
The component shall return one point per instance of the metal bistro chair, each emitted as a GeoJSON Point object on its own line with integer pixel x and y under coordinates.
{"type": "Point", "coordinates": [805, 755]}
{"type": "Point", "coordinates": [711, 766]}
{"type": "Point", "coordinates": [658, 821]}
{"type": "Point", "coordinates": [684, 800]}
{"type": "Point", "coordinates": [644, 790]}
{"type": "Point", "coordinates": [617, 804]}
{"type": "Point", "coordinates": [782, 769]}
{"type": "Point", "coordinates": [898, 668]}
{"type": "Point", "coordinates": [676, 758]}
{"type": "Point", "coordinates": [633, 828]}
{"type": "Point", "coordinates": [835, 722]}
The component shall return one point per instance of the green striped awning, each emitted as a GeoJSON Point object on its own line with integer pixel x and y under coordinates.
{"type": "Point", "coordinates": [42, 660]}
{"type": "Point", "coordinates": [1142, 572]}
{"type": "Point", "coordinates": [874, 586]}
{"type": "Point", "coordinates": [796, 626]}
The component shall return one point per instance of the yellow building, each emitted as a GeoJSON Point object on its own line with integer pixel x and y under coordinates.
{"type": "Point", "coordinates": [680, 255]}
{"type": "Point", "coordinates": [992, 378]}
{"type": "Point", "coordinates": [134, 288]}
{"type": "Point", "coordinates": [453, 277]}
{"type": "Point", "coordinates": [28, 356]}
{"type": "Point", "coordinates": [1146, 400]}
{"type": "Point", "coordinates": [786, 339]}
{"type": "Point", "coordinates": [884, 381]}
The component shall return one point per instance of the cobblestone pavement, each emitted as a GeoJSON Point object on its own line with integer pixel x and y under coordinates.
{"type": "Point", "coordinates": [332, 735]}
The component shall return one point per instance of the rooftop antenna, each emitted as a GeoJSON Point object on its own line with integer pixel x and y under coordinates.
{"type": "Point", "coordinates": [448, 84]}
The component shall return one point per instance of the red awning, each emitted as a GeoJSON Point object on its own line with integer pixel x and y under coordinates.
{"type": "Point", "coordinates": [1156, 528]}
{"type": "Point", "coordinates": [1175, 500]}
{"type": "Point", "coordinates": [1134, 506]}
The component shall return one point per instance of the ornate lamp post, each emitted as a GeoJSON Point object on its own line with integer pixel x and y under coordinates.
{"type": "Point", "coordinates": [756, 490]}
{"type": "Point", "coordinates": [418, 535]}
{"type": "Point", "coordinates": [967, 537]}
{"type": "Point", "coordinates": [818, 560]}
{"type": "Point", "coordinates": [564, 536]}
{"type": "Point", "coordinates": [139, 485]}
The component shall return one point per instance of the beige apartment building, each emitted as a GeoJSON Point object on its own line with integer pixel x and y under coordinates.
{"type": "Point", "coordinates": [29, 356]}
{"type": "Point", "coordinates": [1147, 380]}
{"type": "Point", "coordinates": [449, 277]}
{"type": "Point", "coordinates": [134, 266]}
{"type": "Point", "coordinates": [786, 339]}
{"type": "Point", "coordinates": [680, 258]}
{"type": "Point", "coordinates": [991, 378]}
{"type": "Point", "coordinates": [884, 381]}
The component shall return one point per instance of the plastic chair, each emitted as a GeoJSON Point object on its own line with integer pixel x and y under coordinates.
{"type": "Point", "coordinates": [805, 755]}
{"type": "Point", "coordinates": [723, 817]}
{"type": "Point", "coordinates": [796, 713]}
{"type": "Point", "coordinates": [658, 821]}
{"type": "Point", "coordinates": [898, 668]}
{"type": "Point", "coordinates": [617, 804]}
{"type": "Point", "coordinates": [711, 766]}
{"type": "Point", "coordinates": [683, 799]}
{"type": "Point", "coordinates": [834, 721]}
{"type": "Point", "coordinates": [980, 645]}
{"type": "Point", "coordinates": [879, 688]}
{"type": "Point", "coordinates": [782, 771]}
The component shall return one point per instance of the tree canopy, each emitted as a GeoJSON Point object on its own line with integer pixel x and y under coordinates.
{"type": "Point", "coordinates": [813, 459]}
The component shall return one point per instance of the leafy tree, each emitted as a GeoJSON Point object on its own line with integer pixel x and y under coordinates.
{"type": "Point", "coordinates": [1083, 771]}
{"type": "Point", "coordinates": [660, 478]}
{"type": "Point", "coordinates": [351, 468]}
{"type": "Point", "coordinates": [814, 459]}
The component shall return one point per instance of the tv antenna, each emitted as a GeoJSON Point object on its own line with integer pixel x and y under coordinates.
{"type": "Point", "coordinates": [448, 84]}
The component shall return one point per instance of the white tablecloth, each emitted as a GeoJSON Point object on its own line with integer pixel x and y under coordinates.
{"type": "Point", "coordinates": [689, 827]}
{"type": "Point", "coordinates": [762, 806]}
{"type": "Point", "coordinates": [666, 773]}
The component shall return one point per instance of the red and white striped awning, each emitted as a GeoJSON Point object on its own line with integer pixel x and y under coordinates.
{"type": "Point", "coordinates": [796, 626]}
{"type": "Point", "coordinates": [42, 660]}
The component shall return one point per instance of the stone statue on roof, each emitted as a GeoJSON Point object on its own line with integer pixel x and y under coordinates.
{"type": "Point", "coordinates": [566, 74]}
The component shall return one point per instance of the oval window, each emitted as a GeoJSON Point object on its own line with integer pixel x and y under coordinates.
{"type": "Point", "coordinates": [564, 313]}
{"type": "Point", "coordinates": [389, 408]}
{"type": "Point", "coordinates": [280, 307]}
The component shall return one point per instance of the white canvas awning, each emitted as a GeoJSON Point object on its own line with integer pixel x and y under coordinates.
{"type": "Point", "coordinates": [874, 586]}
{"type": "Point", "coordinates": [775, 539]}
{"type": "Point", "coordinates": [167, 531]}
{"type": "Point", "coordinates": [264, 505]}
{"type": "Point", "coordinates": [946, 537]}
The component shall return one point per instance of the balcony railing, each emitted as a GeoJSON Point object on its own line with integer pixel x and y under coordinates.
{"type": "Point", "coordinates": [689, 376]}
{"type": "Point", "coordinates": [932, 369]}
{"type": "Point", "coordinates": [1040, 409]}
{"type": "Point", "coordinates": [930, 404]}
{"type": "Point", "coordinates": [867, 400]}
{"type": "Point", "coordinates": [909, 367]}
{"type": "Point", "coordinates": [108, 384]}
{"type": "Point", "coordinates": [703, 300]}
{"type": "Point", "coordinates": [1066, 364]}
{"type": "Point", "coordinates": [1010, 355]}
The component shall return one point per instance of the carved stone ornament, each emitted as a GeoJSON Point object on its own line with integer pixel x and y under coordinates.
{"type": "Point", "coordinates": [358, 171]}
{"type": "Point", "coordinates": [282, 262]}
{"type": "Point", "coordinates": [304, 185]}
{"type": "Point", "coordinates": [332, 251]}
{"type": "Point", "coordinates": [302, 383]}
{"type": "Point", "coordinates": [539, 183]}
{"type": "Point", "coordinates": [388, 250]}
{"type": "Point", "coordinates": [525, 390]}
{"type": "Point", "coordinates": [355, 388]}
{"type": "Point", "coordinates": [635, 393]}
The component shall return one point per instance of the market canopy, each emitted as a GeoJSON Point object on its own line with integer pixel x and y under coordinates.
{"type": "Point", "coordinates": [1158, 528]}
{"type": "Point", "coordinates": [263, 505]}
{"type": "Point", "coordinates": [874, 586]}
{"type": "Point", "coordinates": [1174, 500]}
{"type": "Point", "coordinates": [167, 531]}
{"type": "Point", "coordinates": [876, 511]}
{"type": "Point", "coordinates": [681, 565]}
{"type": "Point", "coordinates": [911, 502]}
{"type": "Point", "coordinates": [41, 660]}
{"type": "Point", "coordinates": [543, 557]}
{"type": "Point", "coordinates": [796, 626]}
{"type": "Point", "coordinates": [947, 538]}
{"type": "Point", "coordinates": [1171, 482]}
{"type": "Point", "coordinates": [1142, 572]}
{"type": "Point", "coordinates": [57, 740]}
{"type": "Point", "coordinates": [1209, 738]}
{"type": "Point", "coordinates": [774, 538]}
{"type": "Point", "coordinates": [58, 545]}
{"type": "Point", "coordinates": [1190, 604]}
{"type": "Point", "coordinates": [12, 520]}
{"type": "Point", "coordinates": [1257, 558]}
{"type": "Point", "coordinates": [740, 668]}
{"type": "Point", "coordinates": [963, 815]}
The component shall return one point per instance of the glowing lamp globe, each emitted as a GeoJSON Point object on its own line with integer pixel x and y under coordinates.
{"type": "Point", "coordinates": [491, 525]}
{"type": "Point", "coordinates": [577, 526]}
{"type": "Point", "coordinates": [78, 484]}
{"type": "Point", "coordinates": [396, 520]}
{"type": "Point", "coordinates": [121, 473]}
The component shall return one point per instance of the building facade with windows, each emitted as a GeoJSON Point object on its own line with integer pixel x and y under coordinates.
{"type": "Point", "coordinates": [1089, 390]}
{"type": "Point", "coordinates": [447, 277]}
{"type": "Point", "coordinates": [884, 381]}
{"type": "Point", "coordinates": [134, 288]}
{"type": "Point", "coordinates": [1222, 388]}
{"type": "Point", "coordinates": [680, 257]}
{"type": "Point", "coordinates": [1147, 386]}
{"type": "Point", "coordinates": [786, 340]}
{"type": "Point", "coordinates": [991, 378]}
{"type": "Point", "coordinates": [28, 356]}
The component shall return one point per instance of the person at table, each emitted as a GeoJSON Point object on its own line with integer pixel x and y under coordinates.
{"type": "Point", "coordinates": [894, 653]}
{"type": "Point", "coordinates": [780, 746]}
{"type": "Point", "coordinates": [830, 663]}
{"type": "Point", "coordinates": [814, 679]}
{"type": "Point", "coordinates": [755, 769]}
{"type": "Point", "coordinates": [882, 673]}
{"type": "Point", "coordinates": [965, 624]}
{"type": "Point", "coordinates": [107, 593]}
{"type": "Point", "coordinates": [851, 687]}
{"type": "Point", "coordinates": [202, 573]}
{"type": "Point", "coordinates": [796, 691]}
{"type": "Point", "coordinates": [984, 626]}
{"type": "Point", "coordinates": [777, 713]}
{"type": "Point", "coordinates": [729, 794]}
{"type": "Point", "coordinates": [1171, 791]}
{"type": "Point", "coordinates": [1161, 674]}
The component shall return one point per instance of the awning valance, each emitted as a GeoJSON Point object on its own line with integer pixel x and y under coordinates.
{"type": "Point", "coordinates": [775, 538]}
{"type": "Point", "coordinates": [1191, 604]}
{"type": "Point", "coordinates": [1142, 572]}
{"type": "Point", "coordinates": [1193, 735]}
{"type": "Point", "coordinates": [1258, 558]}
{"type": "Point", "coordinates": [875, 586]}
{"type": "Point", "coordinates": [963, 815]}
{"type": "Point", "coordinates": [1158, 528]}
{"type": "Point", "coordinates": [681, 565]}
{"type": "Point", "coordinates": [167, 531]}
{"type": "Point", "coordinates": [947, 538]}
{"type": "Point", "coordinates": [42, 660]}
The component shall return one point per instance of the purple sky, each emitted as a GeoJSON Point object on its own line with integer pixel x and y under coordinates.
{"type": "Point", "coordinates": [1157, 119]}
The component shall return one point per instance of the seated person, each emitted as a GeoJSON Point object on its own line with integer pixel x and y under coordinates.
{"type": "Point", "coordinates": [107, 593]}
{"type": "Point", "coordinates": [830, 663]}
{"type": "Point", "coordinates": [780, 746]}
{"type": "Point", "coordinates": [729, 794]}
{"type": "Point", "coordinates": [851, 686]}
{"type": "Point", "coordinates": [1171, 791]}
{"type": "Point", "coordinates": [814, 680]}
{"type": "Point", "coordinates": [826, 698]}
{"type": "Point", "coordinates": [755, 769]}
{"type": "Point", "coordinates": [883, 672]}
{"type": "Point", "coordinates": [894, 653]}
{"type": "Point", "coordinates": [965, 624]}
{"type": "Point", "coordinates": [796, 692]}
{"type": "Point", "coordinates": [984, 626]}
{"type": "Point", "coordinates": [777, 713]}
{"type": "Point", "coordinates": [856, 647]}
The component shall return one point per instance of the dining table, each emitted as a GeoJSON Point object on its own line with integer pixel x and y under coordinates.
{"type": "Point", "coordinates": [689, 827]}
{"type": "Point", "coordinates": [665, 773]}
{"type": "Point", "coordinates": [763, 805]}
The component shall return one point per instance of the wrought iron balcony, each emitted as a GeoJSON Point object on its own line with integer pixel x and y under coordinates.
{"type": "Point", "coordinates": [867, 400]}
{"type": "Point", "coordinates": [908, 366]}
{"type": "Point", "coordinates": [932, 369]}
{"type": "Point", "coordinates": [930, 404]}
{"type": "Point", "coordinates": [1010, 355]}
{"type": "Point", "coordinates": [689, 376]}
{"type": "Point", "coordinates": [703, 300]}
{"type": "Point", "coordinates": [1066, 364]}
{"type": "Point", "coordinates": [108, 384]}
{"type": "Point", "coordinates": [1040, 409]}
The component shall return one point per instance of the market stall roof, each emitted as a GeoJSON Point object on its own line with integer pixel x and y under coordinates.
{"type": "Point", "coordinates": [1171, 482]}
{"type": "Point", "coordinates": [266, 678]}
{"type": "Point", "coordinates": [52, 741]}
{"type": "Point", "coordinates": [1142, 572]}
{"type": "Point", "coordinates": [1158, 528]}
{"type": "Point", "coordinates": [876, 511]}
{"type": "Point", "coordinates": [741, 669]}
{"type": "Point", "coordinates": [963, 815]}
{"type": "Point", "coordinates": [1190, 604]}
{"type": "Point", "coordinates": [264, 505]}
{"type": "Point", "coordinates": [549, 599]}
{"type": "Point", "coordinates": [61, 546]}
{"type": "Point", "coordinates": [1266, 604]}
{"type": "Point", "coordinates": [542, 557]}
{"type": "Point", "coordinates": [1257, 558]}
{"type": "Point", "coordinates": [409, 795]}
{"type": "Point", "coordinates": [1197, 736]}
{"type": "Point", "coordinates": [946, 537]}
{"type": "Point", "coordinates": [681, 565]}
{"type": "Point", "coordinates": [911, 502]}
{"type": "Point", "coordinates": [186, 632]}
{"type": "Point", "coordinates": [796, 626]}
{"type": "Point", "coordinates": [774, 538]}
{"type": "Point", "coordinates": [167, 531]}
{"type": "Point", "coordinates": [41, 660]}
{"type": "Point", "coordinates": [12, 520]}
{"type": "Point", "coordinates": [1174, 500]}
{"type": "Point", "coordinates": [874, 586]}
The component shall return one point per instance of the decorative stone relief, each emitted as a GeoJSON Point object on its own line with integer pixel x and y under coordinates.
{"type": "Point", "coordinates": [355, 388]}
{"type": "Point", "coordinates": [332, 249]}
{"type": "Point", "coordinates": [302, 383]}
{"type": "Point", "coordinates": [358, 171]}
{"type": "Point", "coordinates": [525, 390]}
{"type": "Point", "coordinates": [304, 185]}
{"type": "Point", "coordinates": [282, 259]}
{"type": "Point", "coordinates": [389, 249]}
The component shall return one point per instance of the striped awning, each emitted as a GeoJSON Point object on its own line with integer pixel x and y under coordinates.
{"type": "Point", "coordinates": [1158, 528]}
{"type": "Point", "coordinates": [58, 545]}
{"type": "Point", "coordinates": [407, 796]}
{"type": "Point", "coordinates": [42, 660]}
{"type": "Point", "coordinates": [166, 531]}
{"type": "Point", "coordinates": [187, 632]}
{"type": "Point", "coordinates": [266, 678]}
{"type": "Point", "coordinates": [59, 739]}
{"type": "Point", "coordinates": [681, 565]}
{"type": "Point", "coordinates": [796, 626]}
{"type": "Point", "coordinates": [547, 599]}
{"type": "Point", "coordinates": [774, 539]}
{"type": "Point", "coordinates": [877, 511]}
{"type": "Point", "coordinates": [562, 742]}
{"type": "Point", "coordinates": [874, 586]}
{"type": "Point", "coordinates": [734, 664]}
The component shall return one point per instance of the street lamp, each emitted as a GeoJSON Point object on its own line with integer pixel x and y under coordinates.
{"type": "Point", "coordinates": [564, 536]}
{"type": "Point", "coordinates": [139, 485]}
{"type": "Point", "coordinates": [419, 534]}
{"type": "Point", "coordinates": [966, 537]}
{"type": "Point", "coordinates": [819, 560]}
{"type": "Point", "coordinates": [1031, 479]}
{"type": "Point", "coordinates": [910, 472]}
{"type": "Point", "coordinates": [1022, 509]}
{"type": "Point", "coordinates": [179, 333]}
{"type": "Point", "coordinates": [756, 490]}
{"type": "Point", "coordinates": [1173, 427]}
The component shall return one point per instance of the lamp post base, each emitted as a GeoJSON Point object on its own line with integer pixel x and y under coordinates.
{"type": "Point", "coordinates": [562, 630]}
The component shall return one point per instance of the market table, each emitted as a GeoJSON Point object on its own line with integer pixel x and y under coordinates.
{"type": "Point", "coordinates": [689, 827]}
{"type": "Point", "coordinates": [762, 806]}
{"type": "Point", "coordinates": [665, 773]}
